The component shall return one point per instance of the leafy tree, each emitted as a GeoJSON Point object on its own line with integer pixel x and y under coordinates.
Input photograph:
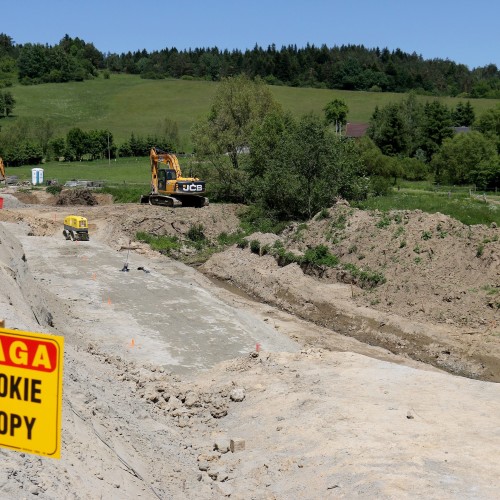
{"type": "Point", "coordinates": [298, 167]}
{"type": "Point", "coordinates": [77, 143]}
{"type": "Point", "coordinates": [42, 132]}
{"type": "Point", "coordinates": [238, 107]}
{"type": "Point", "coordinates": [33, 63]}
{"type": "Point", "coordinates": [24, 152]}
{"type": "Point", "coordinates": [412, 113]}
{"type": "Point", "coordinates": [376, 164]}
{"type": "Point", "coordinates": [100, 144]}
{"type": "Point", "coordinates": [336, 114]}
{"type": "Point", "coordinates": [414, 169]}
{"type": "Point", "coordinates": [437, 126]}
{"type": "Point", "coordinates": [468, 158]}
{"type": "Point", "coordinates": [489, 124]}
{"type": "Point", "coordinates": [57, 147]}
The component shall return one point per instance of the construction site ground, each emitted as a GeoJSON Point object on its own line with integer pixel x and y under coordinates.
{"type": "Point", "coordinates": [326, 388]}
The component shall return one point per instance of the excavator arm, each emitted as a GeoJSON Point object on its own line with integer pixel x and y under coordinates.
{"type": "Point", "coordinates": [156, 157]}
{"type": "Point", "coordinates": [2, 171]}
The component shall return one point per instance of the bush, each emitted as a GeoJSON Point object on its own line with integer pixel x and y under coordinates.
{"type": "Point", "coordinates": [54, 190]}
{"type": "Point", "coordinates": [380, 186]}
{"type": "Point", "coordinates": [255, 246]}
{"type": "Point", "coordinates": [195, 233]}
{"type": "Point", "coordinates": [320, 256]}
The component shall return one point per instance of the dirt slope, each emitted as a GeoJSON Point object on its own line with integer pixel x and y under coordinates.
{"type": "Point", "coordinates": [316, 423]}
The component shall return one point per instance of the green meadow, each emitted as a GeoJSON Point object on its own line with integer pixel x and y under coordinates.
{"type": "Point", "coordinates": [126, 103]}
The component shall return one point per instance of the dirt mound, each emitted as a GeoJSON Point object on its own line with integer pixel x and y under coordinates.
{"type": "Point", "coordinates": [438, 298]}
{"type": "Point", "coordinates": [77, 197]}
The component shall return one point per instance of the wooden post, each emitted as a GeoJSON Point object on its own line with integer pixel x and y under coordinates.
{"type": "Point", "coordinates": [2, 323]}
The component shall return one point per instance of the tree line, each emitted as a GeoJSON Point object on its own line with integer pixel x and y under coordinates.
{"type": "Point", "coordinates": [346, 67]}
{"type": "Point", "coordinates": [30, 140]}
{"type": "Point", "coordinates": [291, 167]}
{"type": "Point", "coordinates": [250, 150]}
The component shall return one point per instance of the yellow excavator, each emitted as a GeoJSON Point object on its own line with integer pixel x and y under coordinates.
{"type": "Point", "coordinates": [168, 187]}
{"type": "Point", "coordinates": [2, 171]}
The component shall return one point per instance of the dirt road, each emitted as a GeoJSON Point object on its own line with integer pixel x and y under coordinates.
{"type": "Point", "coordinates": [153, 418]}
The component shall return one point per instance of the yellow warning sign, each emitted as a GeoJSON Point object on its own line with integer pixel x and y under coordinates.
{"type": "Point", "coordinates": [31, 373]}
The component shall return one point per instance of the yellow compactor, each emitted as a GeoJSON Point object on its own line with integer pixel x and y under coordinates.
{"type": "Point", "coordinates": [76, 228]}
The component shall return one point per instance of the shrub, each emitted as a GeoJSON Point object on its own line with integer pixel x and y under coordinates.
{"type": "Point", "coordinates": [320, 256]}
{"type": "Point", "coordinates": [255, 246]}
{"type": "Point", "coordinates": [54, 190]}
{"type": "Point", "coordinates": [323, 214]}
{"type": "Point", "coordinates": [383, 222]}
{"type": "Point", "coordinates": [196, 233]}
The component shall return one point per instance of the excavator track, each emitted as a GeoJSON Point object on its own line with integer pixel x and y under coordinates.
{"type": "Point", "coordinates": [160, 200]}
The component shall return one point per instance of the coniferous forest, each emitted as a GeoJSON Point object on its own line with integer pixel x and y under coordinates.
{"type": "Point", "coordinates": [346, 67]}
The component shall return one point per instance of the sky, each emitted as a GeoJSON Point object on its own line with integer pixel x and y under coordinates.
{"type": "Point", "coordinates": [464, 32]}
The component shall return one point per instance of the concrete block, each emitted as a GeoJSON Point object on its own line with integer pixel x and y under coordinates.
{"type": "Point", "coordinates": [236, 445]}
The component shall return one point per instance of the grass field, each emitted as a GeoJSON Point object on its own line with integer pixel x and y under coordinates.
{"type": "Point", "coordinates": [123, 170]}
{"type": "Point", "coordinates": [449, 201]}
{"type": "Point", "coordinates": [126, 103]}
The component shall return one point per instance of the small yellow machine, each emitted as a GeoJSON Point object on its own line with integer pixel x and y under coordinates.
{"type": "Point", "coordinates": [76, 228]}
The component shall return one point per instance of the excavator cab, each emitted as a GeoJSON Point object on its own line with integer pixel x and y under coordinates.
{"type": "Point", "coordinates": [165, 175]}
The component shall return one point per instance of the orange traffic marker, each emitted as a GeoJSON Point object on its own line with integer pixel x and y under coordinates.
{"type": "Point", "coordinates": [132, 343]}
{"type": "Point", "coordinates": [109, 301]}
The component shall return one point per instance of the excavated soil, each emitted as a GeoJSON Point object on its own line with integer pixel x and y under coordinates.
{"type": "Point", "coordinates": [352, 412]}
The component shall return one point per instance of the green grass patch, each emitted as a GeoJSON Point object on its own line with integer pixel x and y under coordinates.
{"type": "Point", "coordinates": [255, 219]}
{"type": "Point", "coordinates": [227, 239]}
{"type": "Point", "coordinates": [124, 194]}
{"type": "Point", "coordinates": [320, 256]}
{"type": "Point", "coordinates": [460, 206]}
{"type": "Point", "coordinates": [164, 244]}
{"type": "Point", "coordinates": [122, 171]}
{"type": "Point", "coordinates": [365, 278]}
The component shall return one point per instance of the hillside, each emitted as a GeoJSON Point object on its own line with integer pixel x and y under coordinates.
{"type": "Point", "coordinates": [126, 103]}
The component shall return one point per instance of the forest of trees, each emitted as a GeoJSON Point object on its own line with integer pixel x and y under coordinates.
{"type": "Point", "coordinates": [347, 67]}
{"type": "Point", "coordinates": [296, 166]}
